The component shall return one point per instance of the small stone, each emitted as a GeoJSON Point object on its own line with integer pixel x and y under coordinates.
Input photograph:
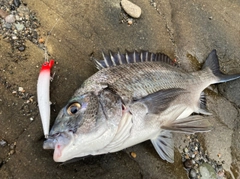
{"type": "Point", "coordinates": [207, 171]}
{"type": "Point", "coordinates": [19, 26]}
{"type": "Point", "coordinates": [192, 173]}
{"type": "Point", "coordinates": [35, 34]}
{"type": "Point", "coordinates": [16, 3]}
{"type": "Point", "coordinates": [20, 89]}
{"type": "Point", "coordinates": [10, 18]}
{"type": "Point", "coordinates": [14, 37]}
{"type": "Point", "coordinates": [3, 13]}
{"type": "Point", "coordinates": [130, 21]}
{"type": "Point", "coordinates": [131, 9]}
{"type": "Point", "coordinates": [12, 146]}
{"type": "Point", "coordinates": [7, 25]}
{"type": "Point", "coordinates": [185, 150]}
{"type": "Point", "coordinates": [22, 10]}
{"type": "Point", "coordinates": [12, 7]}
{"type": "Point", "coordinates": [11, 152]}
{"type": "Point", "coordinates": [27, 17]}
{"type": "Point", "coordinates": [188, 163]}
{"type": "Point", "coordinates": [1, 162]}
{"type": "Point", "coordinates": [41, 40]}
{"type": "Point", "coordinates": [3, 143]}
{"type": "Point", "coordinates": [154, 4]}
{"type": "Point", "coordinates": [21, 48]}
{"type": "Point", "coordinates": [133, 154]}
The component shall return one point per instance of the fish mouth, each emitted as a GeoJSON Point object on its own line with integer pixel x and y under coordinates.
{"type": "Point", "coordinates": [58, 142]}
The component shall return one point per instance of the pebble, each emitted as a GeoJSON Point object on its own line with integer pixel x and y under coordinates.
{"type": "Point", "coordinates": [11, 152]}
{"type": "Point", "coordinates": [12, 146]}
{"type": "Point", "coordinates": [14, 37]}
{"type": "Point", "coordinates": [192, 173]}
{"type": "Point", "coordinates": [10, 18]}
{"type": "Point", "coordinates": [131, 9]}
{"type": "Point", "coordinates": [207, 171]}
{"type": "Point", "coordinates": [133, 154]}
{"type": "Point", "coordinates": [1, 162]}
{"type": "Point", "coordinates": [19, 26]}
{"type": "Point", "coordinates": [21, 48]}
{"type": "Point", "coordinates": [188, 163]}
{"type": "Point", "coordinates": [20, 89]}
{"type": "Point", "coordinates": [130, 21]}
{"type": "Point", "coordinates": [16, 3]}
{"type": "Point", "coordinates": [23, 10]}
{"type": "Point", "coordinates": [197, 162]}
{"type": "Point", "coordinates": [3, 143]}
{"type": "Point", "coordinates": [3, 13]}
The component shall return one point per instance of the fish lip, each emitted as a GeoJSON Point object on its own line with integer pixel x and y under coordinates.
{"type": "Point", "coordinates": [54, 139]}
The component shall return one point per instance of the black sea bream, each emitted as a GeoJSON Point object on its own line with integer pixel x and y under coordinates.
{"type": "Point", "coordinates": [134, 97]}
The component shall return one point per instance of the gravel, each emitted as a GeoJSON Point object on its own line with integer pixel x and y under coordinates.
{"type": "Point", "coordinates": [18, 24]}
{"type": "Point", "coordinates": [197, 162]}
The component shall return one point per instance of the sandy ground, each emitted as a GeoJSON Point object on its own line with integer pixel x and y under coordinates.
{"type": "Point", "coordinates": [186, 30]}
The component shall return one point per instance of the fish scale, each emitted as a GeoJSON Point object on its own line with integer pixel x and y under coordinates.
{"type": "Point", "coordinates": [136, 80]}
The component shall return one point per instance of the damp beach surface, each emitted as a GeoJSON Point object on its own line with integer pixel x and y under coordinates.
{"type": "Point", "coordinates": [185, 31]}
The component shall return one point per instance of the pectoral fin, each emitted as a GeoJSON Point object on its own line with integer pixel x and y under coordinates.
{"type": "Point", "coordinates": [159, 101]}
{"type": "Point", "coordinates": [164, 146]}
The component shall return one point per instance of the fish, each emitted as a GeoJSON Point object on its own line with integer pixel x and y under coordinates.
{"type": "Point", "coordinates": [134, 97]}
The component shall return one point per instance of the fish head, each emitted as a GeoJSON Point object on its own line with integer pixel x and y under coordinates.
{"type": "Point", "coordinates": [85, 126]}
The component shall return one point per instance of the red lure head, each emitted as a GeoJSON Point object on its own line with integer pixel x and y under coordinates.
{"type": "Point", "coordinates": [47, 65]}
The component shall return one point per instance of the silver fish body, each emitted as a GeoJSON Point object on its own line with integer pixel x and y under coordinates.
{"type": "Point", "coordinates": [131, 99]}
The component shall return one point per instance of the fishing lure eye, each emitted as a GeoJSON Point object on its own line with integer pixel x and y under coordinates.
{"type": "Point", "coordinates": [73, 108]}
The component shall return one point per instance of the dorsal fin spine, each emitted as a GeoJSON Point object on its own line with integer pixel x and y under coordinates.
{"type": "Point", "coordinates": [119, 58]}
{"type": "Point", "coordinates": [127, 57]}
{"type": "Point", "coordinates": [105, 59]}
{"type": "Point", "coordinates": [112, 58]}
{"type": "Point", "coordinates": [141, 56]}
{"type": "Point", "coordinates": [147, 56]}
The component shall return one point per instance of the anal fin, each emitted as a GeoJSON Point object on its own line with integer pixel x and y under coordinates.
{"type": "Point", "coordinates": [202, 105]}
{"type": "Point", "coordinates": [164, 146]}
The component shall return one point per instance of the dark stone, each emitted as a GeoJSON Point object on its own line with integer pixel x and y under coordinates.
{"type": "Point", "coordinates": [17, 3]}
{"type": "Point", "coordinates": [12, 7]}
{"type": "Point", "coordinates": [35, 34]}
{"type": "Point", "coordinates": [192, 173]}
{"type": "Point", "coordinates": [1, 162]}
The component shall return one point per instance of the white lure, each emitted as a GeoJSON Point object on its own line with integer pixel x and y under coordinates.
{"type": "Point", "coordinates": [43, 95]}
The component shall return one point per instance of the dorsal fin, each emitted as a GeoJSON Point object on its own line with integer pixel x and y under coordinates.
{"type": "Point", "coordinates": [113, 59]}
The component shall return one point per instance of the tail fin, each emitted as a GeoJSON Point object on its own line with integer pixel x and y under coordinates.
{"type": "Point", "coordinates": [213, 63]}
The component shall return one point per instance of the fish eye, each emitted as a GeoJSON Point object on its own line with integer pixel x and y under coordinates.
{"type": "Point", "coordinates": [73, 108]}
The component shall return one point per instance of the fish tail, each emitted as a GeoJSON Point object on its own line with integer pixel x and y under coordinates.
{"type": "Point", "coordinates": [212, 63]}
